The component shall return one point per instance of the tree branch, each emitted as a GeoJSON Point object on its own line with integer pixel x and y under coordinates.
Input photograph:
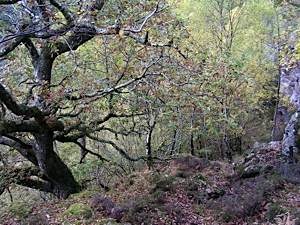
{"type": "Point", "coordinates": [105, 92]}
{"type": "Point", "coordinates": [9, 126]}
{"type": "Point", "coordinates": [37, 184]}
{"type": "Point", "coordinates": [8, 2]}
{"type": "Point", "coordinates": [112, 115]}
{"type": "Point", "coordinates": [115, 146]}
{"type": "Point", "coordinates": [90, 152]}
{"type": "Point", "coordinates": [64, 10]}
{"type": "Point", "coordinates": [18, 109]}
{"type": "Point", "coordinates": [28, 177]}
{"type": "Point", "coordinates": [151, 14]}
{"type": "Point", "coordinates": [32, 50]}
{"type": "Point", "coordinates": [23, 148]}
{"type": "Point", "coordinates": [10, 47]}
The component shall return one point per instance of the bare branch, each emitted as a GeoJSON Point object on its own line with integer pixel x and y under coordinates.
{"type": "Point", "coordinates": [123, 133]}
{"type": "Point", "coordinates": [10, 47]}
{"type": "Point", "coordinates": [64, 10]}
{"type": "Point", "coordinates": [82, 33]}
{"type": "Point", "coordinates": [8, 2]}
{"type": "Point", "coordinates": [23, 148]}
{"type": "Point", "coordinates": [116, 88]}
{"type": "Point", "coordinates": [151, 14]}
{"type": "Point", "coordinates": [112, 115]}
{"type": "Point", "coordinates": [90, 152]}
{"type": "Point", "coordinates": [115, 146]}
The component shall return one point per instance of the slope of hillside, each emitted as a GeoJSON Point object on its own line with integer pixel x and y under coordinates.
{"type": "Point", "coordinates": [188, 190]}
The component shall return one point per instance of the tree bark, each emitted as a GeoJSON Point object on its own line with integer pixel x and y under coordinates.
{"type": "Point", "coordinates": [60, 179]}
{"type": "Point", "coordinates": [53, 168]}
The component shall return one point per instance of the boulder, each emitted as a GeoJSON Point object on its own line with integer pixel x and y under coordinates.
{"type": "Point", "coordinates": [262, 158]}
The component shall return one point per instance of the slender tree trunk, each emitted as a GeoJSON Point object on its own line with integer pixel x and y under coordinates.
{"type": "Point", "coordinates": [176, 134]}
{"type": "Point", "coordinates": [274, 135]}
{"type": "Point", "coordinates": [192, 145]}
{"type": "Point", "coordinates": [152, 123]}
{"type": "Point", "coordinates": [275, 129]}
{"type": "Point", "coordinates": [173, 145]}
{"type": "Point", "coordinates": [228, 150]}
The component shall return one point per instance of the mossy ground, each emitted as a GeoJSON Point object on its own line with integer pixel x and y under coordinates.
{"type": "Point", "coordinates": [20, 209]}
{"type": "Point", "coordinates": [79, 210]}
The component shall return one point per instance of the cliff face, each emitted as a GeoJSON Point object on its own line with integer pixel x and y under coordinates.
{"type": "Point", "coordinates": [290, 84]}
{"type": "Point", "coordinates": [290, 87]}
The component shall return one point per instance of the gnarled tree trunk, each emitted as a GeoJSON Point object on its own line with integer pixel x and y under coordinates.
{"type": "Point", "coordinates": [60, 178]}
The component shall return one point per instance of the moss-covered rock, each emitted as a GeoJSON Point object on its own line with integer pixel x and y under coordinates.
{"type": "Point", "coordinates": [20, 210]}
{"type": "Point", "coordinates": [79, 210]}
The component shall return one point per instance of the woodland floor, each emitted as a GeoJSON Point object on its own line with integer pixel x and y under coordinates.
{"type": "Point", "coordinates": [187, 190]}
